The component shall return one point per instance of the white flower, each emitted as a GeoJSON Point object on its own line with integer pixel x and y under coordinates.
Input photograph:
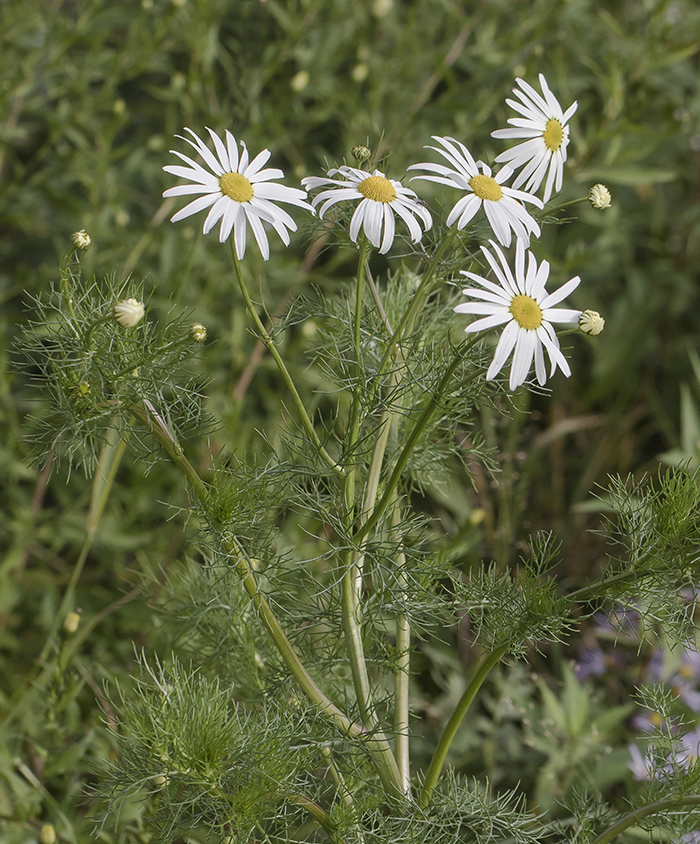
{"type": "Point", "coordinates": [128, 312]}
{"type": "Point", "coordinates": [544, 124]}
{"type": "Point", "coordinates": [501, 205]}
{"type": "Point", "coordinates": [237, 191]}
{"type": "Point", "coordinates": [520, 300]}
{"type": "Point", "coordinates": [599, 197]}
{"type": "Point", "coordinates": [380, 197]}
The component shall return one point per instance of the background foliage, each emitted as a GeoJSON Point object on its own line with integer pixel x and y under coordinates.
{"type": "Point", "coordinates": [91, 94]}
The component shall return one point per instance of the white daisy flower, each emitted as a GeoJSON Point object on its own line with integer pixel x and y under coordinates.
{"type": "Point", "coordinates": [503, 210]}
{"type": "Point", "coordinates": [237, 191]}
{"type": "Point", "coordinates": [520, 300]}
{"type": "Point", "coordinates": [380, 197]}
{"type": "Point", "coordinates": [544, 124]}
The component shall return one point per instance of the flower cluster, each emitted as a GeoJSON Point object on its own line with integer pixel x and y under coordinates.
{"type": "Point", "coordinates": [240, 193]}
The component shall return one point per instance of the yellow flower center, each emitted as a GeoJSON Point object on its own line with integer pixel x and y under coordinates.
{"type": "Point", "coordinates": [486, 188]}
{"type": "Point", "coordinates": [377, 188]}
{"type": "Point", "coordinates": [526, 312]}
{"type": "Point", "coordinates": [236, 187]}
{"type": "Point", "coordinates": [553, 135]}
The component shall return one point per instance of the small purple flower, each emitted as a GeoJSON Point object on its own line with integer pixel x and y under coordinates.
{"type": "Point", "coordinates": [591, 662]}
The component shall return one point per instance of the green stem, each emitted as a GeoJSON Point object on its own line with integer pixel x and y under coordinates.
{"type": "Point", "coordinates": [401, 671]}
{"type": "Point", "coordinates": [351, 582]}
{"type": "Point", "coordinates": [567, 204]}
{"type": "Point", "coordinates": [417, 300]}
{"type": "Point", "coordinates": [318, 813]}
{"type": "Point", "coordinates": [643, 812]}
{"type": "Point", "coordinates": [450, 731]}
{"type": "Point", "coordinates": [272, 348]}
{"type": "Point", "coordinates": [91, 328]}
{"type": "Point", "coordinates": [585, 593]}
{"type": "Point", "coordinates": [412, 439]}
{"type": "Point", "coordinates": [159, 430]}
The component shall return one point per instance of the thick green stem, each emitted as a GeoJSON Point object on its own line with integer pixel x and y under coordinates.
{"type": "Point", "coordinates": [351, 583]}
{"type": "Point", "coordinates": [272, 348]}
{"type": "Point", "coordinates": [644, 812]}
{"type": "Point", "coordinates": [403, 665]}
{"type": "Point", "coordinates": [420, 425]}
{"type": "Point", "coordinates": [450, 731]}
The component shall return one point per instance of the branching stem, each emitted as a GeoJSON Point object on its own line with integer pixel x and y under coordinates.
{"type": "Point", "coordinates": [644, 812]}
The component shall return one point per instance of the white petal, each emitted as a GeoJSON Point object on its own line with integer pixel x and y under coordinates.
{"type": "Point", "coordinates": [488, 322]}
{"type": "Point", "coordinates": [561, 294]}
{"type": "Point", "coordinates": [389, 229]}
{"type": "Point", "coordinates": [259, 233]}
{"type": "Point", "coordinates": [232, 148]}
{"type": "Point", "coordinates": [220, 151]}
{"type": "Point", "coordinates": [503, 349]}
{"type": "Point", "coordinates": [216, 213]}
{"type": "Point", "coordinates": [522, 358]}
{"type": "Point", "coordinates": [194, 206]}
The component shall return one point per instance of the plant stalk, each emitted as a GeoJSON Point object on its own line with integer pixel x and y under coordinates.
{"type": "Point", "coordinates": [644, 812]}
{"type": "Point", "coordinates": [272, 348]}
{"type": "Point", "coordinates": [450, 731]}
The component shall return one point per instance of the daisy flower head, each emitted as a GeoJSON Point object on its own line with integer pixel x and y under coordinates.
{"type": "Point", "coordinates": [544, 125]}
{"type": "Point", "coordinates": [380, 200]}
{"type": "Point", "coordinates": [502, 205]}
{"type": "Point", "coordinates": [520, 302]}
{"type": "Point", "coordinates": [237, 191]}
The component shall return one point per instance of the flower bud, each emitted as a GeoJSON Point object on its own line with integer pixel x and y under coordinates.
{"type": "Point", "coordinates": [47, 834]}
{"type": "Point", "coordinates": [71, 622]}
{"type": "Point", "coordinates": [360, 153]}
{"type": "Point", "coordinates": [599, 197]}
{"type": "Point", "coordinates": [299, 81]}
{"type": "Point", "coordinates": [198, 332]}
{"type": "Point", "coordinates": [81, 240]}
{"type": "Point", "coordinates": [591, 322]}
{"type": "Point", "coordinates": [160, 781]}
{"type": "Point", "coordinates": [129, 312]}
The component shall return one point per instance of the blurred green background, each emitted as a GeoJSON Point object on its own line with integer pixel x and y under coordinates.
{"type": "Point", "coordinates": [91, 95]}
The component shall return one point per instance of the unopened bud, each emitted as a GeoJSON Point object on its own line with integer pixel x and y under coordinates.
{"type": "Point", "coordinates": [360, 153]}
{"type": "Point", "coordinates": [47, 834]}
{"type": "Point", "coordinates": [591, 322]}
{"type": "Point", "coordinates": [198, 332]}
{"type": "Point", "coordinates": [299, 81]}
{"type": "Point", "coordinates": [129, 312]}
{"type": "Point", "coordinates": [160, 781]}
{"type": "Point", "coordinates": [81, 240]}
{"type": "Point", "coordinates": [71, 622]}
{"type": "Point", "coordinates": [599, 197]}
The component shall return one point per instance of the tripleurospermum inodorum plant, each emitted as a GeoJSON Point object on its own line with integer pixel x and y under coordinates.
{"type": "Point", "coordinates": [306, 726]}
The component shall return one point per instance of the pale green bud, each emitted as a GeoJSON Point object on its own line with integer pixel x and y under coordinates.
{"type": "Point", "coordinates": [71, 622]}
{"type": "Point", "coordinates": [360, 153]}
{"type": "Point", "coordinates": [198, 332]}
{"type": "Point", "coordinates": [591, 322]}
{"type": "Point", "coordinates": [81, 240]}
{"type": "Point", "coordinates": [47, 834]}
{"type": "Point", "coordinates": [599, 197]}
{"type": "Point", "coordinates": [129, 312]}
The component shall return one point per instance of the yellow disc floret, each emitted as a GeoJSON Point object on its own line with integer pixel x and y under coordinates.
{"type": "Point", "coordinates": [553, 135]}
{"type": "Point", "coordinates": [236, 187]}
{"type": "Point", "coordinates": [486, 187]}
{"type": "Point", "coordinates": [526, 312]}
{"type": "Point", "coordinates": [377, 188]}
